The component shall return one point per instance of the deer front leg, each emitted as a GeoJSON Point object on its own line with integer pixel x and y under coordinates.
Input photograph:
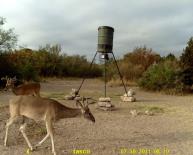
{"type": "Point", "coordinates": [22, 130]}
{"type": "Point", "coordinates": [9, 122]}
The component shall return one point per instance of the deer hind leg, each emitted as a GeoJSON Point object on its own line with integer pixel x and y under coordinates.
{"type": "Point", "coordinates": [37, 93]}
{"type": "Point", "coordinates": [50, 132]}
{"type": "Point", "coordinates": [9, 122]}
{"type": "Point", "coordinates": [22, 130]}
{"type": "Point", "coordinates": [44, 139]}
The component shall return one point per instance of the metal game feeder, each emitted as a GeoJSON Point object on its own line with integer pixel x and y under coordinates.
{"type": "Point", "coordinates": [104, 48]}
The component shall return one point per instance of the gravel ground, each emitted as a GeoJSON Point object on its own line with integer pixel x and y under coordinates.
{"type": "Point", "coordinates": [169, 132]}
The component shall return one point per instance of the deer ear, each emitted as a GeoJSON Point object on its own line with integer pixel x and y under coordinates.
{"type": "Point", "coordinates": [14, 78]}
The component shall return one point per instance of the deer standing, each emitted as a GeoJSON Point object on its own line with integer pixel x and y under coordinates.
{"type": "Point", "coordinates": [23, 89]}
{"type": "Point", "coordinates": [47, 110]}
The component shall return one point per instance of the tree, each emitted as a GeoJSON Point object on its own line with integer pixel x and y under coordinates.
{"type": "Point", "coordinates": [135, 63]}
{"type": "Point", "coordinates": [142, 56]}
{"type": "Point", "coordinates": [170, 56]}
{"type": "Point", "coordinates": [186, 62]}
{"type": "Point", "coordinates": [8, 38]}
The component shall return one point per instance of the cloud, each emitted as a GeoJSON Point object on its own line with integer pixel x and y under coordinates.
{"type": "Point", "coordinates": [162, 25]}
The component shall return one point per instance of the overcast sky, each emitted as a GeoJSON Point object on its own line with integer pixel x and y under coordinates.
{"type": "Point", "coordinates": [164, 25]}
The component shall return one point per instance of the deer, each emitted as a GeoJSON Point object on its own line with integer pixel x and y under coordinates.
{"type": "Point", "coordinates": [46, 110]}
{"type": "Point", "coordinates": [23, 89]}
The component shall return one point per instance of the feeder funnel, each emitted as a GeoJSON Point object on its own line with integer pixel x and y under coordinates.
{"type": "Point", "coordinates": [105, 39]}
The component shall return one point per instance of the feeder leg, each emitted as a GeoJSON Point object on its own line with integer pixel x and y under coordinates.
{"type": "Point", "coordinates": [105, 76]}
{"type": "Point", "coordinates": [121, 77]}
{"type": "Point", "coordinates": [88, 70]}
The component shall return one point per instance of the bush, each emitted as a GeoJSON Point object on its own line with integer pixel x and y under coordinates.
{"type": "Point", "coordinates": [28, 73]}
{"type": "Point", "coordinates": [162, 76]}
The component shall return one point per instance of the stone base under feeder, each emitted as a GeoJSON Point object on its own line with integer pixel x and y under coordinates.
{"type": "Point", "coordinates": [129, 96]}
{"type": "Point", "coordinates": [104, 103]}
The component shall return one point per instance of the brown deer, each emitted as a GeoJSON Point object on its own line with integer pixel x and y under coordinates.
{"type": "Point", "coordinates": [23, 89]}
{"type": "Point", "coordinates": [47, 110]}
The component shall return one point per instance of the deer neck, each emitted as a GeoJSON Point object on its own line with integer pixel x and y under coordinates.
{"type": "Point", "coordinates": [66, 112]}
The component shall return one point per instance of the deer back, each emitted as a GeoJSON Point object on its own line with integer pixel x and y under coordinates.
{"type": "Point", "coordinates": [27, 89]}
{"type": "Point", "coordinates": [33, 107]}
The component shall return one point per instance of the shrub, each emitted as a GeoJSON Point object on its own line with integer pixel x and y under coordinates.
{"type": "Point", "coordinates": [162, 76]}
{"type": "Point", "coordinates": [28, 73]}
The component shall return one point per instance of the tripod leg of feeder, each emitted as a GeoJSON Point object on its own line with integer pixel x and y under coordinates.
{"type": "Point", "coordinates": [105, 76]}
{"type": "Point", "coordinates": [88, 70]}
{"type": "Point", "coordinates": [121, 77]}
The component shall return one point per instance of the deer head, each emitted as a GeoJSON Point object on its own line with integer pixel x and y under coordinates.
{"type": "Point", "coordinates": [9, 82]}
{"type": "Point", "coordinates": [85, 109]}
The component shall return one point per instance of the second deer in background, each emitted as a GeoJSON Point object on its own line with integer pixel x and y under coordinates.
{"type": "Point", "coordinates": [23, 89]}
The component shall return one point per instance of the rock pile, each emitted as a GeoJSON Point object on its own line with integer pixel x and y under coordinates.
{"type": "Point", "coordinates": [129, 97]}
{"type": "Point", "coordinates": [134, 113]}
{"type": "Point", "coordinates": [150, 113]}
{"type": "Point", "coordinates": [104, 103]}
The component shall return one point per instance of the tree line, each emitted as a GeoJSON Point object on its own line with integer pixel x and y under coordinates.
{"type": "Point", "coordinates": [142, 65]}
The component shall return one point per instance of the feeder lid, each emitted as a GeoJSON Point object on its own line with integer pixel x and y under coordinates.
{"type": "Point", "coordinates": [106, 27]}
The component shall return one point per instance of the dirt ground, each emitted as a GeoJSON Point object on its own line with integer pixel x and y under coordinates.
{"type": "Point", "coordinates": [168, 132]}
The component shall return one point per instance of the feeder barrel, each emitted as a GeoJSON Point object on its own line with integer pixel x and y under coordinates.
{"type": "Point", "coordinates": [105, 39]}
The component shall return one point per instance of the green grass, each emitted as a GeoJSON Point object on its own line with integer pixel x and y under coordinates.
{"type": "Point", "coordinates": [42, 131]}
{"type": "Point", "coordinates": [155, 109]}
